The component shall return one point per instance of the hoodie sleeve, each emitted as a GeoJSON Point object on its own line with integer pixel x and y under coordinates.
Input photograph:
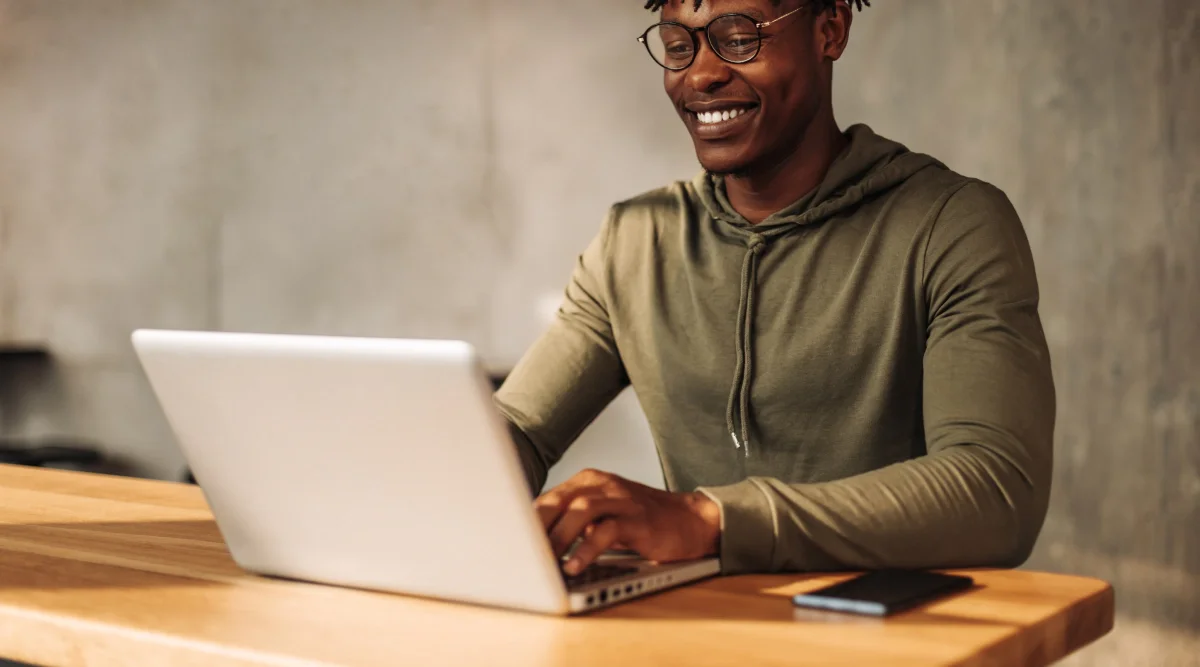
{"type": "Point", "coordinates": [570, 374]}
{"type": "Point", "coordinates": [979, 495]}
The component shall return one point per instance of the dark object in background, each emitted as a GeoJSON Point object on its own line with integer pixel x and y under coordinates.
{"type": "Point", "coordinates": [30, 366]}
{"type": "Point", "coordinates": [51, 454]}
{"type": "Point", "coordinates": [23, 352]}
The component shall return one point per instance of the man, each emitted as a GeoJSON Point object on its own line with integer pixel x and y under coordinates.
{"type": "Point", "coordinates": [836, 341]}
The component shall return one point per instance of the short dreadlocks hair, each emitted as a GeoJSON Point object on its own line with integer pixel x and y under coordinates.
{"type": "Point", "coordinates": [819, 5]}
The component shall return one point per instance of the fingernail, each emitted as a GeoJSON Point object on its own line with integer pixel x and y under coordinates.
{"type": "Point", "coordinates": [572, 567]}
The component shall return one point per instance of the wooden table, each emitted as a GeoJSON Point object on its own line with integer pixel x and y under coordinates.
{"type": "Point", "coordinates": [102, 570]}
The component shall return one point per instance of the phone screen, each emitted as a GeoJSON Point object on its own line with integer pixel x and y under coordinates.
{"type": "Point", "coordinates": [884, 592]}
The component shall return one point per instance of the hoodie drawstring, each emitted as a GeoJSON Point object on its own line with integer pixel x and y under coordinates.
{"type": "Point", "coordinates": [739, 394]}
{"type": "Point", "coordinates": [869, 166]}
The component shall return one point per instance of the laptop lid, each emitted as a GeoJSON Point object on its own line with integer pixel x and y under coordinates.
{"type": "Point", "coordinates": [373, 463]}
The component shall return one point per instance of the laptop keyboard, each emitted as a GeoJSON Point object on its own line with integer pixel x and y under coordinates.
{"type": "Point", "coordinates": [596, 573]}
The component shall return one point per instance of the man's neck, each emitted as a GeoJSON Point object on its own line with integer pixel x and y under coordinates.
{"type": "Point", "coordinates": [760, 193]}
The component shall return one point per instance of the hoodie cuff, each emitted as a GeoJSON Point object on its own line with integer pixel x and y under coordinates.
{"type": "Point", "coordinates": [747, 527]}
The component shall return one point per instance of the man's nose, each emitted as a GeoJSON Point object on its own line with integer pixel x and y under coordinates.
{"type": "Point", "coordinates": [707, 72]}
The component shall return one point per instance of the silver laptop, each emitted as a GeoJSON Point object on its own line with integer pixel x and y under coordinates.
{"type": "Point", "coordinates": [371, 463]}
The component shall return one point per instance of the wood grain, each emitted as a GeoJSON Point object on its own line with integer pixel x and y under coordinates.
{"type": "Point", "coordinates": [109, 571]}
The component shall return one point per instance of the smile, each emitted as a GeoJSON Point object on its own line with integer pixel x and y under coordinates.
{"type": "Point", "coordinates": [712, 117]}
{"type": "Point", "coordinates": [721, 123]}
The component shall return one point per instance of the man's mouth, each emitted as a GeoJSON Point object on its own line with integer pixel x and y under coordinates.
{"type": "Point", "coordinates": [720, 121]}
{"type": "Point", "coordinates": [719, 115]}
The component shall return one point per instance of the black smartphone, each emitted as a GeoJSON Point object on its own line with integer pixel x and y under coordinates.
{"type": "Point", "coordinates": [884, 592]}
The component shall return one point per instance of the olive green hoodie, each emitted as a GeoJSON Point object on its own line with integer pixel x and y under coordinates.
{"type": "Point", "coordinates": [861, 380]}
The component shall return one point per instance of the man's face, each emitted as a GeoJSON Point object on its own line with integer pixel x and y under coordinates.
{"type": "Point", "coordinates": [776, 94]}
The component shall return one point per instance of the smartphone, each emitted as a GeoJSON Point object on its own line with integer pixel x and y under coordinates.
{"type": "Point", "coordinates": [884, 592]}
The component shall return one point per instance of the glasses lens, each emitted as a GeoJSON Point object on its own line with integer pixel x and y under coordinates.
{"type": "Point", "coordinates": [671, 45]}
{"type": "Point", "coordinates": [735, 38]}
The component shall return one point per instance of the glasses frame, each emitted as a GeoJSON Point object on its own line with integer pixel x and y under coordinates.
{"type": "Point", "coordinates": [758, 26]}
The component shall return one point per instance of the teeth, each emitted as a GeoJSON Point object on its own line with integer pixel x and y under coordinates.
{"type": "Point", "coordinates": [710, 117]}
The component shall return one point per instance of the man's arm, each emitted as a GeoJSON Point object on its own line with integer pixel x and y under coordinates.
{"type": "Point", "coordinates": [570, 374]}
{"type": "Point", "coordinates": [979, 496]}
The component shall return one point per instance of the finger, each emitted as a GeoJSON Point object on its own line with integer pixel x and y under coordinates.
{"type": "Point", "coordinates": [606, 533]}
{"type": "Point", "coordinates": [551, 504]}
{"type": "Point", "coordinates": [548, 506]}
{"type": "Point", "coordinates": [587, 532]}
{"type": "Point", "coordinates": [618, 546]}
{"type": "Point", "coordinates": [582, 512]}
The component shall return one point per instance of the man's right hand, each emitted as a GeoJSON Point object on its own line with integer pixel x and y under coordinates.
{"type": "Point", "coordinates": [607, 510]}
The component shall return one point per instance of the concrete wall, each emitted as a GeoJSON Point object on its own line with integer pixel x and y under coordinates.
{"type": "Point", "coordinates": [431, 169]}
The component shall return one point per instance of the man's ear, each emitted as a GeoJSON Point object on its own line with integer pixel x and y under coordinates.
{"type": "Point", "coordinates": [833, 30]}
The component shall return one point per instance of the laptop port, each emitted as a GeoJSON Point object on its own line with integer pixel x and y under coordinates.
{"type": "Point", "coordinates": [629, 589]}
{"type": "Point", "coordinates": [603, 597]}
{"type": "Point", "coordinates": [591, 600]}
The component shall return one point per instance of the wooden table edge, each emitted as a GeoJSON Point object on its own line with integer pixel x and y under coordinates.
{"type": "Point", "coordinates": [1104, 603]}
{"type": "Point", "coordinates": [1087, 620]}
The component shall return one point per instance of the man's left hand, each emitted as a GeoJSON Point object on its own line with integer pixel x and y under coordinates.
{"type": "Point", "coordinates": [607, 511]}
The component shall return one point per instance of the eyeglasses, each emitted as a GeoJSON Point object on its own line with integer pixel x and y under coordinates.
{"type": "Point", "coordinates": [735, 38]}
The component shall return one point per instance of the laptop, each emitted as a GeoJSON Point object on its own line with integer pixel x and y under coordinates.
{"type": "Point", "coordinates": [372, 463]}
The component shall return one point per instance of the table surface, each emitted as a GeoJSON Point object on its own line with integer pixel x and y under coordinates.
{"type": "Point", "coordinates": [104, 570]}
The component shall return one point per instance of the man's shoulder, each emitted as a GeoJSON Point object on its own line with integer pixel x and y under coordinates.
{"type": "Point", "coordinates": [956, 212]}
{"type": "Point", "coordinates": [667, 202]}
{"type": "Point", "coordinates": [640, 223]}
{"type": "Point", "coordinates": [934, 192]}
{"type": "Point", "coordinates": [971, 231]}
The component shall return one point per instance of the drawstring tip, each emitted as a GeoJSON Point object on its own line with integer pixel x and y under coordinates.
{"type": "Point", "coordinates": [739, 444]}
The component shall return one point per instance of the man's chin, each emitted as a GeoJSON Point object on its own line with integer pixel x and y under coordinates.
{"type": "Point", "coordinates": [721, 163]}
{"type": "Point", "coordinates": [725, 169]}
{"type": "Point", "coordinates": [727, 172]}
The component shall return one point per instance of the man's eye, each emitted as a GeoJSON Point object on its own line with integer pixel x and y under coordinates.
{"type": "Point", "coordinates": [740, 43]}
{"type": "Point", "coordinates": [679, 49]}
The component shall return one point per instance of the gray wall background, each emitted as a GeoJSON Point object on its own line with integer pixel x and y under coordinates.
{"type": "Point", "coordinates": [431, 169]}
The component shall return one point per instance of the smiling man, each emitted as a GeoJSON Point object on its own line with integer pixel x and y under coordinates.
{"type": "Point", "coordinates": [835, 340]}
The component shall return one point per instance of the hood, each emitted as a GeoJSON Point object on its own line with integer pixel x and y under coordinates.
{"type": "Point", "coordinates": [869, 165]}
